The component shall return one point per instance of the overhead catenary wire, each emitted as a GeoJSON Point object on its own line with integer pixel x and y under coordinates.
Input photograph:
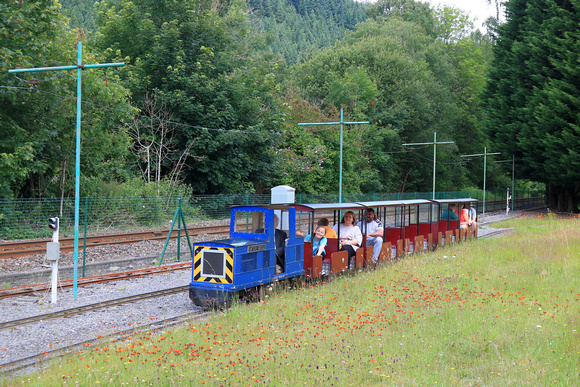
{"type": "Point", "coordinates": [237, 131]}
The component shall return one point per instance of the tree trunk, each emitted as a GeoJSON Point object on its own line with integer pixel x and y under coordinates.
{"type": "Point", "coordinates": [563, 198]}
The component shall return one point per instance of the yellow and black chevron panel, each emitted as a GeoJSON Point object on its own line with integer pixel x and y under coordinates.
{"type": "Point", "coordinates": [213, 264]}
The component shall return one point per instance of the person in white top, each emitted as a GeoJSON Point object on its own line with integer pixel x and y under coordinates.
{"type": "Point", "coordinates": [349, 234]}
{"type": "Point", "coordinates": [374, 232]}
{"type": "Point", "coordinates": [473, 218]}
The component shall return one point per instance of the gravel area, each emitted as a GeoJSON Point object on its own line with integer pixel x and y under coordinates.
{"type": "Point", "coordinates": [32, 339]}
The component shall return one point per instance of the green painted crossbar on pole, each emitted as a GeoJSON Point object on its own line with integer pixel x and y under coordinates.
{"type": "Point", "coordinates": [341, 123]}
{"type": "Point", "coordinates": [79, 67]}
{"type": "Point", "coordinates": [434, 143]}
{"type": "Point", "coordinates": [484, 154]}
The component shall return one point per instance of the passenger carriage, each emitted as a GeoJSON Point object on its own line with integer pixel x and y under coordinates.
{"type": "Point", "coordinates": [336, 261]}
{"type": "Point", "coordinates": [449, 229]}
{"type": "Point", "coordinates": [409, 225]}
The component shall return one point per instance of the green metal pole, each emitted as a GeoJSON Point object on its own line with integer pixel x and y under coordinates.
{"type": "Point", "coordinates": [168, 237]}
{"type": "Point", "coordinates": [434, 143]}
{"type": "Point", "coordinates": [77, 168]}
{"type": "Point", "coordinates": [79, 67]}
{"type": "Point", "coordinates": [85, 239]}
{"type": "Point", "coordinates": [179, 230]}
{"type": "Point", "coordinates": [434, 160]}
{"type": "Point", "coordinates": [513, 182]}
{"type": "Point", "coordinates": [340, 167]}
{"type": "Point", "coordinates": [341, 123]}
{"type": "Point", "coordinates": [484, 174]}
{"type": "Point", "coordinates": [484, 154]}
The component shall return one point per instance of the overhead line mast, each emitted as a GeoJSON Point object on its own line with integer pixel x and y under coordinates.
{"type": "Point", "coordinates": [341, 123]}
{"type": "Point", "coordinates": [79, 66]}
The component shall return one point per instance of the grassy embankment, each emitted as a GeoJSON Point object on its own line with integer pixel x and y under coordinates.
{"type": "Point", "coordinates": [496, 312]}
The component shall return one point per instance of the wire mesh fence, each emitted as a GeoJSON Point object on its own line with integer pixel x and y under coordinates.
{"type": "Point", "coordinates": [28, 218]}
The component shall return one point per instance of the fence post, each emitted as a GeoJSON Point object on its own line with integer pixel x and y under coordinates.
{"type": "Point", "coordinates": [179, 230]}
{"type": "Point", "coordinates": [180, 218]}
{"type": "Point", "coordinates": [85, 238]}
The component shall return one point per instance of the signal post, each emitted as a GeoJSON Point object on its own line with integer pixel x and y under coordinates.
{"type": "Point", "coordinates": [53, 254]}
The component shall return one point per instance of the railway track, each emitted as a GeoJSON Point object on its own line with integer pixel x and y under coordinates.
{"type": "Point", "coordinates": [18, 249]}
{"type": "Point", "coordinates": [493, 234]}
{"type": "Point", "coordinates": [37, 288]}
{"type": "Point", "coordinates": [92, 307]}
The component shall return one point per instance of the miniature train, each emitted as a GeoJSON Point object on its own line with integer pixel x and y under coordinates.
{"type": "Point", "coordinates": [224, 269]}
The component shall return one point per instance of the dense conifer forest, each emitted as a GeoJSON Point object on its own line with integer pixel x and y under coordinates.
{"type": "Point", "coordinates": [212, 92]}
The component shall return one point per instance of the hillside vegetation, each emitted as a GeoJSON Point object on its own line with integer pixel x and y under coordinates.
{"type": "Point", "coordinates": [213, 90]}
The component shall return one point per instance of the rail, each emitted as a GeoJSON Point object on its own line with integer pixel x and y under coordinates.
{"type": "Point", "coordinates": [91, 307]}
{"type": "Point", "coordinates": [18, 249]}
{"type": "Point", "coordinates": [25, 290]}
{"type": "Point", "coordinates": [24, 363]}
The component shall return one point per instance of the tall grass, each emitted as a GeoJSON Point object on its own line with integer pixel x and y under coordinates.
{"type": "Point", "coordinates": [493, 312]}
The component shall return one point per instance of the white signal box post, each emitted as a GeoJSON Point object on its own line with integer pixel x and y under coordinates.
{"type": "Point", "coordinates": [53, 254]}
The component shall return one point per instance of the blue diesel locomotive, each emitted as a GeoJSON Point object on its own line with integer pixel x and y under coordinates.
{"type": "Point", "coordinates": [223, 268]}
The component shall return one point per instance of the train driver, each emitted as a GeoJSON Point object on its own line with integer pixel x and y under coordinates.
{"type": "Point", "coordinates": [280, 238]}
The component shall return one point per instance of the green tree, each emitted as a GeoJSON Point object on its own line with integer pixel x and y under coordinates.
{"type": "Point", "coordinates": [408, 10]}
{"type": "Point", "coordinates": [201, 58]}
{"type": "Point", "coordinates": [81, 14]}
{"type": "Point", "coordinates": [532, 95]}
{"type": "Point", "coordinates": [37, 110]}
{"type": "Point", "coordinates": [297, 28]}
{"type": "Point", "coordinates": [412, 99]}
{"type": "Point", "coordinates": [470, 54]}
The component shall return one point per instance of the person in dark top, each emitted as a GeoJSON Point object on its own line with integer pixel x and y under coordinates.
{"type": "Point", "coordinates": [280, 239]}
{"type": "Point", "coordinates": [449, 213]}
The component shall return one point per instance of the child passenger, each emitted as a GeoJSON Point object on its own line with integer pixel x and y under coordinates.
{"type": "Point", "coordinates": [318, 242]}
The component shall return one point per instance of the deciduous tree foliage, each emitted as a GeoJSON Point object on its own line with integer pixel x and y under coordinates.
{"type": "Point", "coordinates": [200, 57]}
{"type": "Point", "coordinates": [411, 71]}
{"type": "Point", "coordinates": [38, 110]}
{"type": "Point", "coordinates": [404, 80]}
{"type": "Point", "coordinates": [533, 95]}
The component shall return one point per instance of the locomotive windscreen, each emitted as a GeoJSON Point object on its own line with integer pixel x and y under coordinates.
{"type": "Point", "coordinates": [213, 263]}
